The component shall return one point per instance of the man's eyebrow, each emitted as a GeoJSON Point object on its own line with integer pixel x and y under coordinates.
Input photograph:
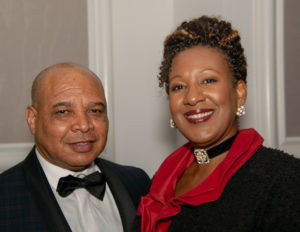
{"type": "Point", "coordinates": [61, 104]}
{"type": "Point", "coordinates": [97, 104]}
{"type": "Point", "coordinates": [91, 104]}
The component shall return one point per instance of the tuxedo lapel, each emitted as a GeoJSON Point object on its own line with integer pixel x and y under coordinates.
{"type": "Point", "coordinates": [124, 202]}
{"type": "Point", "coordinates": [42, 194]}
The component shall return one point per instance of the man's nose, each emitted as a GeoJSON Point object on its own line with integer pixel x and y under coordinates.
{"type": "Point", "coordinates": [82, 123]}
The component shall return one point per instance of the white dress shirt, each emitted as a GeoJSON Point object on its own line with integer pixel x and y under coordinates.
{"type": "Point", "coordinates": [83, 211]}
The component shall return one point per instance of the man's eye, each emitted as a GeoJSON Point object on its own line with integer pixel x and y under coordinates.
{"type": "Point", "coordinates": [177, 87]}
{"type": "Point", "coordinates": [61, 111]}
{"type": "Point", "coordinates": [209, 81]}
{"type": "Point", "coordinates": [96, 111]}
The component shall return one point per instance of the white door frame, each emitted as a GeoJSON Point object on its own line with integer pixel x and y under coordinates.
{"type": "Point", "coordinates": [100, 58]}
{"type": "Point", "coordinates": [289, 144]}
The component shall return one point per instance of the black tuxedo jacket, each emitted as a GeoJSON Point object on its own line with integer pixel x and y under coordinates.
{"type": "Point", "coordinates": [27, 202]}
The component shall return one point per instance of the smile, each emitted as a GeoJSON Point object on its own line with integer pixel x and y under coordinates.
{"type": "Point", "coordinates": [82, 146]}
{"type": "Point", "coordinates": [197, 116]}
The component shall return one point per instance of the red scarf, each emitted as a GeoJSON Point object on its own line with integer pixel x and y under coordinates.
{"type": "Point", "coordinates": [159, 206]}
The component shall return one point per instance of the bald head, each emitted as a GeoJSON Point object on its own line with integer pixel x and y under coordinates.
{"type": "Point", "coordinates": [68, 116]}
{"type": "Point", "coordinates": [55, 72]}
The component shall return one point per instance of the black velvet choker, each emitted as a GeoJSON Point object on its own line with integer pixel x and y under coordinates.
{"type": "Point", "coordinates": [203, 157]}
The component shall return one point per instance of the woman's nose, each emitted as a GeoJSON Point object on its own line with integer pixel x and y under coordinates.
{"type": "Point", "coordinates": [194, 95]}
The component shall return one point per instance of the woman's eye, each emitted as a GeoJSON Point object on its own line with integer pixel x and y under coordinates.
{"type": "Point", "coordinates": [209, 81]}
{"type": "Point", "coordinates": [177, 87]}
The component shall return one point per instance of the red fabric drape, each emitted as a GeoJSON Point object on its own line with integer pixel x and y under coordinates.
{"type": "Point", "coordinates": [159, 206]}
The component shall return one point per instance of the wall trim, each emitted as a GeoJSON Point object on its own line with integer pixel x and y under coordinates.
{"type": "Point", "coordinates": [100, 62]}
{"type": "Point", "coordinates": [13, 153]}
{"type": "Point", "coordinates": [280, 72]}
{"type": "Point", "coordinates": [264, 70]}
{"type": "Point", "coordinates": [289, 144]}
{"type": "Point", "coordinates": [100, 58]}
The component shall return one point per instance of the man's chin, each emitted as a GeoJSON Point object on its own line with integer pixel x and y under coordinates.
{"type": "Point", "coordinates": [79, 161]}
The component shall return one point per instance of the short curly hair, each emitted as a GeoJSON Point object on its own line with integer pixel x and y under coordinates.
{"type": "Point", "coordinates": [208, 32]}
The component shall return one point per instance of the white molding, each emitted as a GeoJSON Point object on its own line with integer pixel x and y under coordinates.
{"type": "Point", "coordinates": [13, 153]}
{"type": "Point", "coordinates": [100, 57]}
{"type": "Point", "coordinates": [289, 144]}
{"type": "Point", "coordinates": [280, 72]}
{"type": "Point", "coordinates": [264, 70]}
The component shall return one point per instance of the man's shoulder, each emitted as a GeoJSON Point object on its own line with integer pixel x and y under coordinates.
{"type": "Point", "coordinates": [13, 173]}
{"type": "Point", "coordinates": [123, 169]}
{"type": "Point", "coordinates": [135, 180]}
{"type": "Point", "coordinates": [13, 181]}
{"type": "Point", "coordinates": [16, 172]}
{"type": "Point", "coordinates": [13, 184]}
{"type": "Point", "coordinates": [17, 207]}
{"type": "Point", "coordinates": [13, 188]}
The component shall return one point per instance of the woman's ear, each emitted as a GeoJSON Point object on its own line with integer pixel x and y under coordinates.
{"type": "Point", "coordinates": [31, 115]}
{"type": "Point", "coordinates": [241, 90]}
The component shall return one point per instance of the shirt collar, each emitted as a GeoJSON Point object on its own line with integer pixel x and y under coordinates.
{"type": "Point", "coordinates": [54, 173]}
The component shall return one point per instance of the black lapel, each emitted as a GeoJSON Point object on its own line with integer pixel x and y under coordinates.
{"type": "Point", "coordinates": [121, 196]}
{"type": "Point", "coordinates": [42, 194]}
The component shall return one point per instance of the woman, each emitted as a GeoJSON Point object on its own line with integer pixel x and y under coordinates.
{"type": "Point", "coordinates": [223, 179]}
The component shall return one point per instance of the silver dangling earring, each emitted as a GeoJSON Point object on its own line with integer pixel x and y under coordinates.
{"type": "Point", "coordinates": [172, 123]}
{"type": "Point", "coordinates": [241, 111]}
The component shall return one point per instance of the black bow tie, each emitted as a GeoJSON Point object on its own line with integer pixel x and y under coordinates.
{"type": "Point", "coordinates": [93, 183]}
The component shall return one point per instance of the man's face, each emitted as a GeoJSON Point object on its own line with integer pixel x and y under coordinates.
{"type": "Point", "coordinates": [69, 118]}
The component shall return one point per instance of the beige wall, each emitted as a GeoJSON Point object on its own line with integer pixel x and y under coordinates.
{"type": "Point", "coordinates": [33, 35]}
{"type": "Point", "coordinates": [36, 33]}
{"type": "Point", "coordinates": [292, 61]}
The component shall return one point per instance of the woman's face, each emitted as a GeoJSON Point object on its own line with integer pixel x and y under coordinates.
{"type": "Point", "coordinates": [203, 98]}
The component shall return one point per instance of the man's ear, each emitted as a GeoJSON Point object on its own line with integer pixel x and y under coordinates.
{"type": "Point", "coordinates": [31, 115]}
{"type": "Point", "coordinates": [241, 90]}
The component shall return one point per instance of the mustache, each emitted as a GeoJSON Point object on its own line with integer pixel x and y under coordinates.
{"type": "Point", "coordinates": [82, 137]}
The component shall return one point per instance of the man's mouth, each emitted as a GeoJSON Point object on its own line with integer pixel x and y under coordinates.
{"type": "Point", "coordinates": [82, 146]}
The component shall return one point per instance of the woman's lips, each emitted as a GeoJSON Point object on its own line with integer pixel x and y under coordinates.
{"type": "Point", "coordinates": [197, 116]}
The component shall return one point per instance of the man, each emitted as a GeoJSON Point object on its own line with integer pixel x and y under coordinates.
{"type": "Point", "coordinates": [69, 121]}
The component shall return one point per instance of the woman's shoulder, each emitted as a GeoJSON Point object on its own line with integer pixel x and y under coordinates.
{"type": "Point", "coordinates": [282, 204]}
{"type": "Point", "coordinates": [276, 157]}
{"type": "Point", "coordinates": [276, 164]}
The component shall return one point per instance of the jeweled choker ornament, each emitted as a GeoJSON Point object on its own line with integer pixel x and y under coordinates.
{"type": "Point", "coordinates": [203, 157]}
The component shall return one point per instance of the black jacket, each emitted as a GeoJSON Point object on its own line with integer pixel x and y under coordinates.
{"type": "Point", "coordinates": [27, 202]}
{"type": "Point", "coordinates": [264, 195]}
